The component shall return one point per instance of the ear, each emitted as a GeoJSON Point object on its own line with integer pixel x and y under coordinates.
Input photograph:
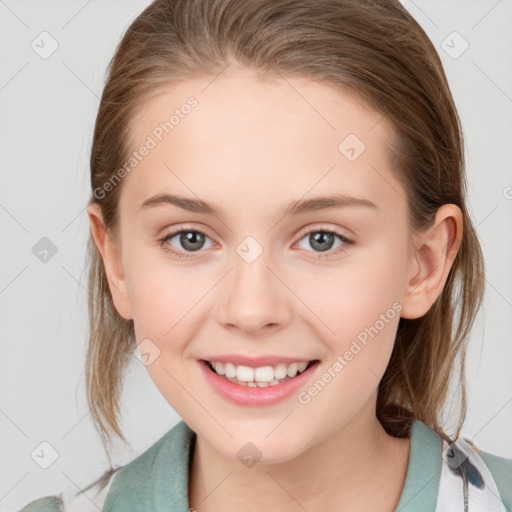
{"type": "Point", "coordinates": [111, 261]}
{"type": "Point", "coordinates": [432, 256]}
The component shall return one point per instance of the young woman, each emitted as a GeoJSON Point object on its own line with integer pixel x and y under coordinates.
{"type": "Point", "coordinates": [279, 232]}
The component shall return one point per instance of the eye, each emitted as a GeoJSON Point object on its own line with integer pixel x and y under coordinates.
{"type": "Point", "coordinates": [323, 240]}
{"type": "Point", "coordinates": [191, 240]}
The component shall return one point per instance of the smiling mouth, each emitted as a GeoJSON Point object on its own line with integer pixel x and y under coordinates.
{"type": "Point", "coordinates": [263, 376]}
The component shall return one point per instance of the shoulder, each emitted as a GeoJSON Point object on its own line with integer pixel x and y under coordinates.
{"type": "Point", "coordinates": [128, 479]}
{"type": "Point", "coordinates": [47, 504]}
{"type": "Point", "coordinates": [128, 484]}
{"type": "Point", "coordinates": [88, 498]}
{"type": "Point", "coordinates": [501, 471]}
{"type": "Point", "coordinates": [159, 473]}
{"type": "Point", "coordinates": [498, 468]}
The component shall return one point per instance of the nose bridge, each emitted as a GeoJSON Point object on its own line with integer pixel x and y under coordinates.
{"type": "Point", "coordinates": [253, 296]}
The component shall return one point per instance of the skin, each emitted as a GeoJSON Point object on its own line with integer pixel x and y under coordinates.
{"type": "Point", "coordinates": [251, 147]}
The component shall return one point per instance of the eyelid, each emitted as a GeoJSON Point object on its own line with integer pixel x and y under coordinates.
{"type": "Point", "coordinates": [328, 226]}
{"type": "Point", "coordinates": [328, 255]}
{"type": "Point", "coordinates": [167, 232]}
{"type": "Point", "coordinates": [304, 231]}
{"type": "Point", "coordinates": [178, 254]}
{"type": "Point", "coordinates": [324, 227]}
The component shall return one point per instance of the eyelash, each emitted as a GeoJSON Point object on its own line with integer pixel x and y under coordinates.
{"type": "Point", "coordinates": [346, 241]}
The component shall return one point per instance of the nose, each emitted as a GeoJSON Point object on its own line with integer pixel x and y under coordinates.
{"type": "Point", "coordinates": [253, 298]}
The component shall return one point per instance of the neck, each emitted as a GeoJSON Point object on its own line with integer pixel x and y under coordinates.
{"type": "Point", "coordinates": [359, 467]}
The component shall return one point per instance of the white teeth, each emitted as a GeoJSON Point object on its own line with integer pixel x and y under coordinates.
{"type": "Point", "coordinates": [262, 376]}
{"type": "Point", "coordinates": [219, 368]}
{"type": "Point", "coordinates": [245, 373]}
{"type": "Point", "coordinates": [280, 371]}
{"type": "Point", "coordinates": [292, 370]}
{"type": "Point", "coordinates": [230, 370]}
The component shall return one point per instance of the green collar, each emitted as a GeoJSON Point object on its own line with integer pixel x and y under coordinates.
{"type": "Point", "coordinates": [423, 472]}
{"type": "Point", "coordinates": [157, 480]}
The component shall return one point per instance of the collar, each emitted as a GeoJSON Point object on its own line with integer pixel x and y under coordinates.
{"type": "Point", "coordinates": [423, 472]}
{"type": "Point", "coordinates": [165, 466]}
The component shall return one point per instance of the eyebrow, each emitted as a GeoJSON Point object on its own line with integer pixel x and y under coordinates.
{"type": "Point", "coordinates": [296, 207]}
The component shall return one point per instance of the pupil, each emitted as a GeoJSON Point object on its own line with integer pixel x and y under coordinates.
{"type": "Point", "coordinates": [319, 239]}
{"type": "Point", "coordinates": [191, 237]}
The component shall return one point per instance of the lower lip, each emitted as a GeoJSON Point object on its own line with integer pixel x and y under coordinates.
{"type": "Point", "coordinates": [249, 396]}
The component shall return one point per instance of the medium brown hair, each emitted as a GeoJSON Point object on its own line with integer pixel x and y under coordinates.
{"type": "Point", "coordinates": [373, 49]}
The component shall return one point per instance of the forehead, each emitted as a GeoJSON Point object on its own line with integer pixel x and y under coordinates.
{"type": "Point", "coordinates": [241, 103]}
{"type": "Point", "coordinates": [250, 136]}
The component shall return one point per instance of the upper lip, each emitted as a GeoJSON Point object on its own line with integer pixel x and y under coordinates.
{"type": "Point", "coordinates": [256, 362]}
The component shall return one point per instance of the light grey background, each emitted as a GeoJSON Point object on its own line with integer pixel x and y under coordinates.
{"type": "Point", "coordinates": [48, 107]}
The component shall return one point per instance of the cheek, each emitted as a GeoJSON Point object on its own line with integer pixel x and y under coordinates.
{"type": "Point", "coordinates": [156, 294]}
{"type": "Point", "coordinates": [164, 322]}
{"type": "Point", "coordinates": [156, 288]}
{"type": "Point", "coordinates": [354, 294]}
{"type": "Point", "coordinates": [357, 306]}
{"type": "Point", "coordinates": [166, 301]}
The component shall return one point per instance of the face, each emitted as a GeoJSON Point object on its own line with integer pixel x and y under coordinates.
{"type": "Point", "coordinates": [262, 275]}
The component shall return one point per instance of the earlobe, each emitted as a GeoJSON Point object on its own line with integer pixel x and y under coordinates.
{"type": "Point", "coordinates": [433, 255]}
{"type": "Point", "coordinates": [112, 262]}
